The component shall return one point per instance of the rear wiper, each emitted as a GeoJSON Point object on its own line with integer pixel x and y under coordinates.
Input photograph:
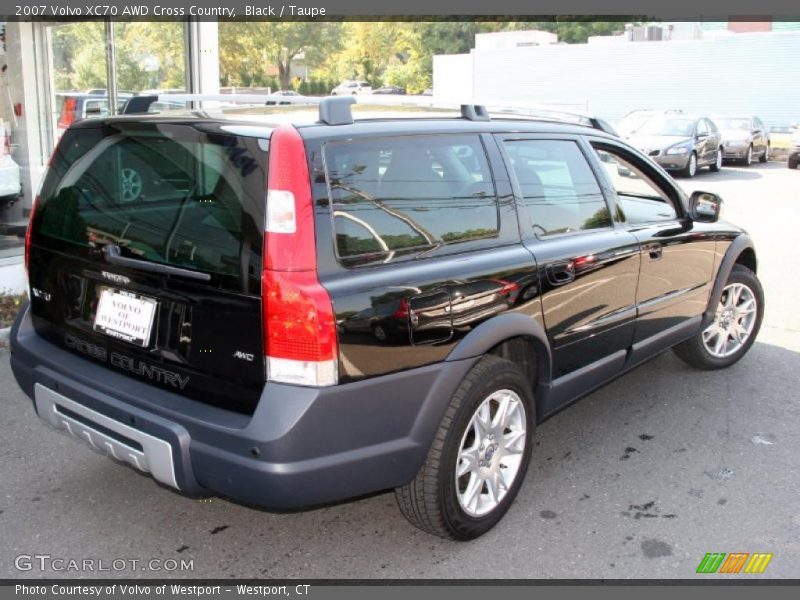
{"type": "Point", "coordinates": [113, 255]}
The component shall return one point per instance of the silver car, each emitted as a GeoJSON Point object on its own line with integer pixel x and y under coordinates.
{"type": "Point", "coordinates": [743, 138]}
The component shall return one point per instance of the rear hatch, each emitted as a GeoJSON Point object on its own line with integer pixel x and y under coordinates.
{"type": "Point", "coordinates": [146, 254]}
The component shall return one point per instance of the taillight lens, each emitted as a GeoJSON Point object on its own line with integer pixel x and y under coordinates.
{"type": "Point", "coordinates": [28, 236]}
{"type": "Point", "coordinates": [299, 323]}
{"type": "Point", "coordinates": [68, 110]}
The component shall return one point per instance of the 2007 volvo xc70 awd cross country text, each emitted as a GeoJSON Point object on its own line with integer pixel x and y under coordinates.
{"type": "Point", "coordinates": [291, 306]}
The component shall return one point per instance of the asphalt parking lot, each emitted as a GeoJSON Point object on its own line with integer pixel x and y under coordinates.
{"type": "Point", "coordinates": [640, 479]}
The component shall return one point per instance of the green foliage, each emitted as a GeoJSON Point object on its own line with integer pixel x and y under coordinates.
{"type": "Point", "coordinates": [150, 55]}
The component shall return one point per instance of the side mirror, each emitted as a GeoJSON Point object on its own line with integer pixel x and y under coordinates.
{"type": "Point", "coordinates": [704, 207]}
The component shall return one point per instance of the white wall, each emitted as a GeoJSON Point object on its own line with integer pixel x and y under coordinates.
{"type": "Point", "coordinates": [452, 77]}
{"type": "Point", "coordinates": [745, 73]}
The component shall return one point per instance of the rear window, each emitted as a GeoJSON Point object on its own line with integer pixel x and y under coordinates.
{"type": "Point", "coordinates": [165, 193]}
{"type": "Point", "coordinates": [396, 198]}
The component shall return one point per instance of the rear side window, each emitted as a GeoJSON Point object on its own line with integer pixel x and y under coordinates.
{"type": "Point", "coordinates": [400, 197]}
{"type": "Point", "coordinates": [558, 187]}
{"type": "Point", "coordinates": [163, 193]}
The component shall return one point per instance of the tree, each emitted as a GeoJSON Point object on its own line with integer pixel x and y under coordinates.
{"type": "Point", "coordinates": [148, 55]}
{"type": "Point", "coordinates": [249, 51]}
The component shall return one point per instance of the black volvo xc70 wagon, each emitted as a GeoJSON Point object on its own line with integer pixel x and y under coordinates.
{"type": "Point", "coordinates": [289, 309]}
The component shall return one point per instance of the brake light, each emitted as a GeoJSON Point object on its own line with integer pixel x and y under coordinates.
{"type": "Point", "coordinates": [28, 236]}
{"type": "Point", "coordinates": [68, 110]}
{"type": "Point", "coordinates": [299, 324]}
{"type": "Point", "coordinates": [402, 310]}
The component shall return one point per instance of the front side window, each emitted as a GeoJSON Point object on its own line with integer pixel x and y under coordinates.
{"type": "Point", "coordinates": [640, 198]}
{"type": "Point", "coordinates": [406, 196]}
{"type": "Point", "coordinates": [557, 185]}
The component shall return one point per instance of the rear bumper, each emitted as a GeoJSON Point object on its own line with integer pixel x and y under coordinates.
{"type": "Point", "coordinates": [301, 447]}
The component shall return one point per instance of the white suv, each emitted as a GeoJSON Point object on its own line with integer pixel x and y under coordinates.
{"type": "Point", "coordinates": [351, 87]}
{"type": "Point", "coordinates": [10, 186]}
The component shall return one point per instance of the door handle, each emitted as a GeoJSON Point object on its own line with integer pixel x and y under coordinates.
{"type": "Point", "coordinates": [561, 273]}
{"type": "Point", "coordinates": [653, 251]}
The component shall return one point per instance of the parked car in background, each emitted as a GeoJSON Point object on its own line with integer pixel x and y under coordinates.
{"type": "Point", "coordinates": [351, 87]}
{"type": "Point", "coordinates": [76, 106]}
{"type": "Point", "coordinates": [390, 89]}
{"type": "Point", "coordinates": [10, 183]}
{"type": "Point", "coordinates": [780, 138]}
{"type": "Point", "coordinates": [744, 138]}
{"type": "Point", "coordinates": [680, 143]}
{"type": "Point", "coordinates": [794, 150]}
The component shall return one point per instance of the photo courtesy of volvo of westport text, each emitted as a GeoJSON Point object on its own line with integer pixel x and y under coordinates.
{"type": "Point", "coordinates": [101, 591]}
{"type": "Point", "coordinates": [141, 10]}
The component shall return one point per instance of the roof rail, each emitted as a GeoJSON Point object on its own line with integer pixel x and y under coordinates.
{"type": "Point", "coordinates": [337, 110]}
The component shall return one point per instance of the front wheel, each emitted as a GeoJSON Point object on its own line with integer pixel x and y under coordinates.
{"type": "Point", "coordinates": [718, 162]}
{"type": "Point", "coordinates": [748, 158]}
{"type": "Point", "coordinates": [691, 167]}
{"type": "Point", "coordinates": [479, 456]}
{"type": "Point", "coordinates": [735, 326]}
{"type": "Point", "coordinates": [792, 163]}
{"type": "Point", "coordinates": [764, 157]}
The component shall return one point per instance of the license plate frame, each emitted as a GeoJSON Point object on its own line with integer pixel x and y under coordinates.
{"type": "Point", "coordinates": [125, 316]}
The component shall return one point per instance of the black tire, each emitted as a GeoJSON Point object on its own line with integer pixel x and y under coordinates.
{"type": "Point", "coordinates": [694, 352]}
{"type": "Point", "coordinates": [764, 155]}
{"type": "Point", "coordinates": [687, 171]}
{"type": "Point", "coordinates": [717, 164]}
{"type": "Point", "coordinates": [792, 163]}
{"type": "Point", "coordinates": [430, 500]}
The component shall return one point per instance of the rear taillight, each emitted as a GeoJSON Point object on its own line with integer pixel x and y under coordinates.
{"type": "Point", "coordinates": [28, 236]}
{"type": "Point", "coordinates": [299, 323]}
{"type": "Point", "coordinates": [402, 310]}
{"type": "Point", "coordinates": [68, 110]}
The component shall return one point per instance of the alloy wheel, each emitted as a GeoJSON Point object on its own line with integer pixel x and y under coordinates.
{"type": "Point", "coordinates": [733, 322]}
{"type": "Point", "coordinates": [491, 452]}
{"type": "Point", "coordinates": [692, 165]}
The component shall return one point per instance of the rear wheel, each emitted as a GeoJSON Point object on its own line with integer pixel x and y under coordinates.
{"type": "Point", "coordinates": [792, 164]}
{"type": "Point", "coordinates": [479, 456]}
{"type": "Point", "coordinates": [764, 157]}
{"type": "Point", "coordinates": [735, 326]}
